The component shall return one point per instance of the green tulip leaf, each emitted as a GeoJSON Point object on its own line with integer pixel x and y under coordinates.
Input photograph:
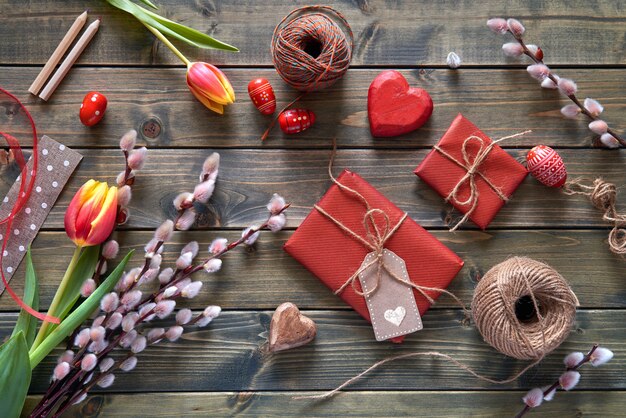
{"type": "Point", "coordinates": [84, 270]}
{"type": "Point", "coordinates": [78, 316]}
{"type": "Point", "coordinates": [15, 374]}
{"type": "Point", "coordinates": [176, 30]}
{"type": "Point", "coordinates": [26, 323]}
{"type": "Point", "coordinates": [149, 3]}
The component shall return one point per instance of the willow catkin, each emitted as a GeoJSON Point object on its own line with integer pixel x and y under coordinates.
{"type": "Point", "coordinates": [495, 298]}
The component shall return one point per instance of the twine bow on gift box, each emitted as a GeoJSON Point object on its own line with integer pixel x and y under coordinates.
{"type": "Point", "coordinates": [471, 166]}
{"type": "Point", "coordinates": [375, 240]}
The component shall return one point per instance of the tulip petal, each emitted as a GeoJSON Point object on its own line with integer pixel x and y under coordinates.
{"type": "Point", "coordinates": [224, 81]}
{"type": "Point", "coordinates": [209, 104]}
{"type": "Point", "coordinates": [71, 214]}
{"type": "Point", "coordinates": [90, 210]}
{"type": "Point", "coordinates": [204, 81]}
{"type": "Point", "coordinates": [102, 226]}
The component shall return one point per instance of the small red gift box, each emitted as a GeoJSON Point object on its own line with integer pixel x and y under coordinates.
{"type": "Point", "coordinates": [333, 256]}
{"type": "Point", "coordinates": [447, 166]}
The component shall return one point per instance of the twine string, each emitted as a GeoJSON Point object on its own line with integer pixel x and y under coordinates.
{"type": "Point", "coordinates": [603, 196]}
{"type": "Point", "coordinates": [539, 352]}
{"type": "Point", "coordinates": [494, 315]}
{"type": "Point", "coordinates": [451, 359]}
{"type": "Point", "coordinates": [471, 165]}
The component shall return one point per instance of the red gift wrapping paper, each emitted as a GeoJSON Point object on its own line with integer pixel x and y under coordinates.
{"type": "Point", "coordinates": [499, 167]}
{"type": "Point", "coordinates": [333, 256]}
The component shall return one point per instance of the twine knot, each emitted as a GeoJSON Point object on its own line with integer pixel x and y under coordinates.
{"type": "Point", "coordinates": [471, 164]}
{"type": "Point", "coordinates": [603, 196]}
{"type": "Point", "coordinates": [375, 240]}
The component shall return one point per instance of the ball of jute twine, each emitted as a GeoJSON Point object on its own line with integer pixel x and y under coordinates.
{"type": "Point", "coordinates": [495, 316]}
{"type": "Point", "coordinates": [312, 47]}
{"type": "Point", "coordinates": [494, 308]}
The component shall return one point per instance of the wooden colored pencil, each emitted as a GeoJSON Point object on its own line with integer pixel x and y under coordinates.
{"type": "Point", "coordinates": [58, 53]}
{"type": "Point", "coordinates": [69, 60]}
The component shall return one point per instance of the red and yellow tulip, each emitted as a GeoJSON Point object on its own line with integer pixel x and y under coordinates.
{"type": "Point", "coordinates": [90, 217]}
{"type": "Point", "coordinates": [207, 83]}
{"type": "Point", "coordinates": [210, 86]}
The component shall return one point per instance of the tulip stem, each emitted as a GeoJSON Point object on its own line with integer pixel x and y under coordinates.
{"type": "Point", "coordinates": [167, 43]}
{"type": "Point", "coordinates": [58, 296]}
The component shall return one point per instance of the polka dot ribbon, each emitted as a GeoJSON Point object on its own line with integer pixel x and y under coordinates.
{"type": "Point", "coordinates": [18, 115]}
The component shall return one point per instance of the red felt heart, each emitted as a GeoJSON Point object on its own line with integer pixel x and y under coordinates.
{"type": "Point", "coordinates": [394, 108]}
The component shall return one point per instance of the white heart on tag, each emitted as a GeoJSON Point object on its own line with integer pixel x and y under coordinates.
{"type": "Point", "coordinates": [395, 316]}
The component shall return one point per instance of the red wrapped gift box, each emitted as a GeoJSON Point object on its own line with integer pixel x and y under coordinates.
{"type": "Point", "coordinates": [443, 174]}
{"type": "Point", "coordinates": [333, 256]}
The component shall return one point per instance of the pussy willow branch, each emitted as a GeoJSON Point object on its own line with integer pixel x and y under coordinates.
{"type": "Point", "coordinates": [572, 97]}
{"type": "Point", "coordinates": [71, 399]}
{"type": "Point", "coordinates": [48, 402]}
{"type": "Point", "coordinates": [47, 398]}
{"type": "Point", "coordinates": [555, 385]}
{"type": "Point", "coordinates": [205, 177]}
{"type": "Point", "coordinates": [189, 271]}
{"type": "Point", "coordinates": [234, 244]}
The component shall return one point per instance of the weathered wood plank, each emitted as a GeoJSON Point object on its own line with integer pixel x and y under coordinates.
{"type": "Point", "coordinates": [351, 404]}
{"type": "Point", "coordinates": [267, 276]}
{"type": "Point", "coordinates": [248, 178]}
{"type": "Point", "coordinates": [386, 32]}
{"type": "Point", "coordinates": [227, 356]}
{"type": "Point", "coordinates": [500, 102]}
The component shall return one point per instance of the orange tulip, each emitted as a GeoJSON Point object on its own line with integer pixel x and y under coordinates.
{"type": "Point", "coordinates": [209, 85]}
{"type": "Point", "coordinates": [90, 218]}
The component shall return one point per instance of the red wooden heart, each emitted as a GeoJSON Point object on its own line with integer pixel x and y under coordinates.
{"type": "Point", "coordinates": [394, 108]}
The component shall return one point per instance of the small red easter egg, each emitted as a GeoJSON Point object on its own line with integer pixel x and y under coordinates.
{"type": "Point", "coordinates": [262, 95]}
{"type": "Point", "coordinates": [546, 166]}
{"type": "Point", "coordinates": [92, 109]}
{"type": "Point", "coordinates": [293, 121]}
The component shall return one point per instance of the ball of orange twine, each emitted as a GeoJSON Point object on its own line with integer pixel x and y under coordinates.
{"type": "Point", "coordinates": [312, 47]}
{"type": "Point", "coordinates": [522, 284]}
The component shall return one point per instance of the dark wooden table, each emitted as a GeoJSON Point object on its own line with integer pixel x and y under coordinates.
{"type": "Point", "coordinates": [221, 370]}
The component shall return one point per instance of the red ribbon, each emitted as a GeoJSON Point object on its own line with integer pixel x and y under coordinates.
{"type": "Point", "coordinates": [27, 181]}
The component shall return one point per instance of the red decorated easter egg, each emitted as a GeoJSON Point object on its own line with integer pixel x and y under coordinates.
{"type": "Point", "coordinates": [92, 109]}
{"type": "Point", "coordinates": [293, 121]}
{"type": "Point", "coordinates": [546, 166]}
{"type": "Point", "coordinates": [262, 95]}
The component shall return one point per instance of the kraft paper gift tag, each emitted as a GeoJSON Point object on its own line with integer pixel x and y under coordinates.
{"type": "Point", "coordinates": [390, 302]}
